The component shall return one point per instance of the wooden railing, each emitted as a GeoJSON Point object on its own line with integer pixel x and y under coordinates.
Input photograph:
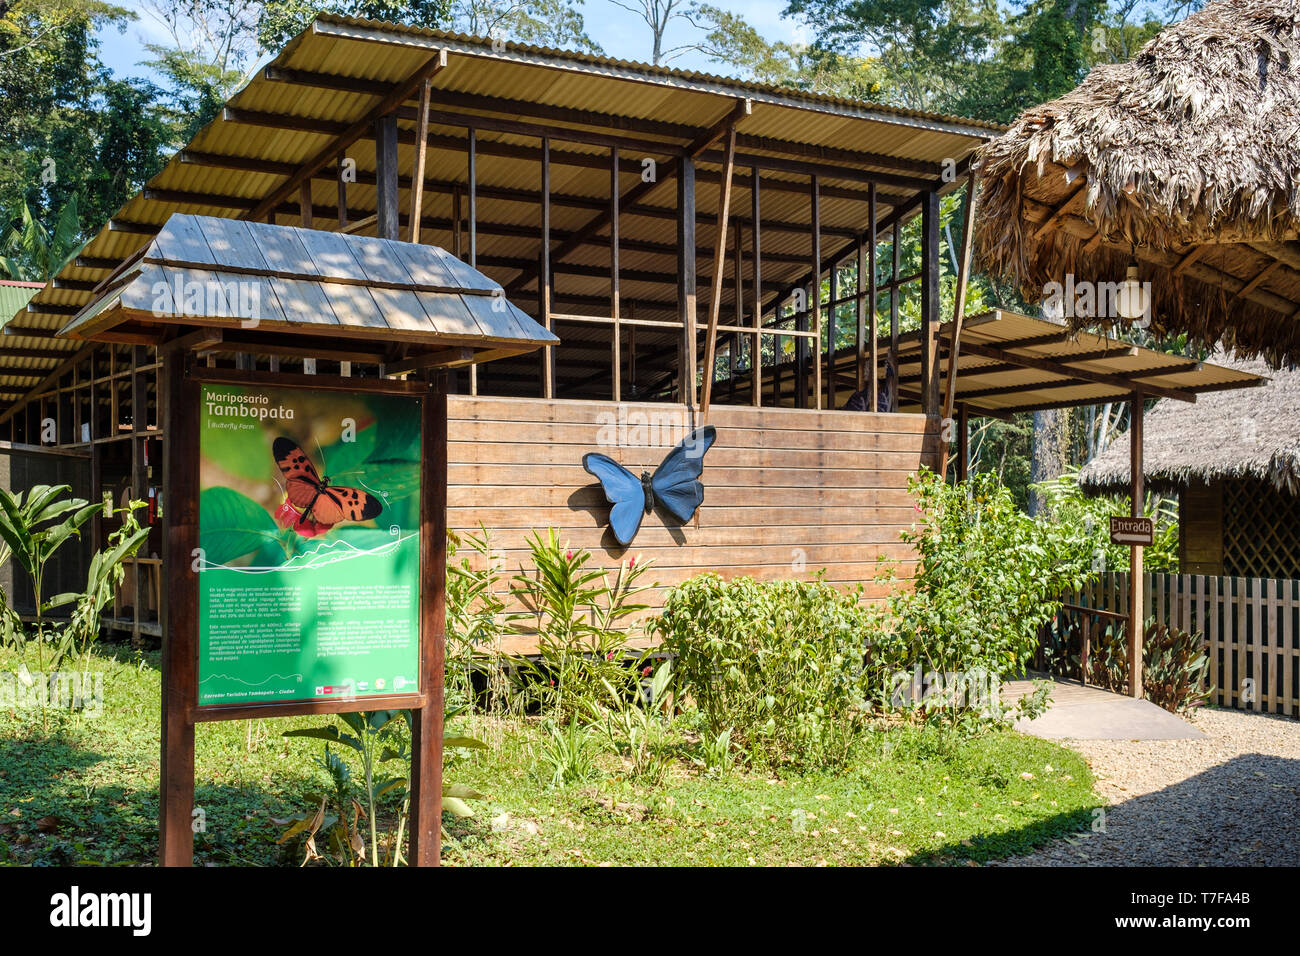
{"type": "Point", "coordinates": [1251, 628]}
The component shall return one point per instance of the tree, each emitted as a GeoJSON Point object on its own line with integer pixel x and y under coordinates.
{"type": "Point", "coordinates": [729, 39]}
{"type": "Point", "coordinates": [657, 15]}
{"type": "Point", "coordinates": [71, 136]}
{"type": "Point", "coordinates": [928, 50]}
{"type": "Point", "coordinates": [555, 23]}
{"type": "Point", "coordinates": [212, 44]}
{"type": "Point", "coordinates": [549, 22]}
{"type": "Point", "coordinates": [33, 253]}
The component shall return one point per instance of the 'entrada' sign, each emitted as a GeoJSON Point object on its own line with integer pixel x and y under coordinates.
{"type": "Point", "coordinates": [1131, 530]}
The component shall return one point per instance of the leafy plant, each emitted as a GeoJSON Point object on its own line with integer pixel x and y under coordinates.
{"type": "Point", "coordinates": [1067, 505]}
{"type": "Point", "coordinates": [1175, 665]}
{"type": "Point", "coordinates": [715, 753]}
{"type": "Point", "coordinates": [568, 751]}
{"type": "Point", "coordinates": [577, 613]}
{"type": "Point", "coordinates": [34, 526]}
{"type": "Point", "coordinates": [632, 723]}
{"type": "Point", "coordinates": [376, 737]}
{"type": "Point", "coordinates": [776, 664]}
{"type": "Point", "coordinates": [988, 577]}
{"type": "Point", "coordinates": [475, 615]}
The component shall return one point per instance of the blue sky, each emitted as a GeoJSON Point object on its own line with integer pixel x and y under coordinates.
{"type": "Point", "coordinates": [620, 33]}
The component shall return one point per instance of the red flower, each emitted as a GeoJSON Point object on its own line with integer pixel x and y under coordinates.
{"type": "Point", "coordinates": [287, 516]}
{"type": "Point", "coordinates": [630, 563]}
{"type": "Point", "coordinates": [645, 671]}
{"type": "Point", "coordinates": [568, 555]}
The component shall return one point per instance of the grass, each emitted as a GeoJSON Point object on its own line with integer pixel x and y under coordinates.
{"type": "Point", "coordinates": [76, 789]}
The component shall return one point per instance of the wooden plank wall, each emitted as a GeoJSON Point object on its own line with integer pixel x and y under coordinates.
{"type": "Point", "coordinates": [1200, 532]}
{"type": "Point", "coordinates": [787, 491]}
{"type": "Point", "coordinates": [1251, 627]}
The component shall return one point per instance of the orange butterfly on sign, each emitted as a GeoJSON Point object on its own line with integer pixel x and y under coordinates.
{"type": "Point", "coordinates": [319, 504]}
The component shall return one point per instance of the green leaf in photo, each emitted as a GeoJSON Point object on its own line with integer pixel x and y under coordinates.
{"type": "Point", "coordinates": [232, 525]}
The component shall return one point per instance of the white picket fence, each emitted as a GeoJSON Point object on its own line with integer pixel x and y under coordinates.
{"type": "Point", "coordinates": [1251, 627]}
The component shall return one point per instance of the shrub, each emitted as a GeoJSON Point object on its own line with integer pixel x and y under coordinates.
{"type": "Point", "coordinates": [777, 664]}
{"type": "Point", "coordinates": [475, 616]}
{"type": "Point", "coordinates": [988, 577]}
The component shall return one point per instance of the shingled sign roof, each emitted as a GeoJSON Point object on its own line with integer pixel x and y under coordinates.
{"type": "Point", "coordinates": [205, 271]}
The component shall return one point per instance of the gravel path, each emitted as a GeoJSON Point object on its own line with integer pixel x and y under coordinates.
{"type": "Point", "coordinates": [1230, 799]}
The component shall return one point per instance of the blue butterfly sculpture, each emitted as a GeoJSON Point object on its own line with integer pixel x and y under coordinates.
{"type": "Point", "coordinates": [675, 484]}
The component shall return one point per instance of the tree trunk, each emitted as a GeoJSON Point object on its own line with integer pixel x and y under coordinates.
{"type": "Point", "coordinates": [1051, 451]}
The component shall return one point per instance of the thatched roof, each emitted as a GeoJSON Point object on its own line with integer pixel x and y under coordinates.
{"type": "Point", "coordinates": [1245, 433]}
{"type": "Point", "coordinates": [1189, 152]}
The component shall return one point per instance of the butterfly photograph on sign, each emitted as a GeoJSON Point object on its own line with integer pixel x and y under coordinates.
{"type": "Point", "coordinates": [284, 472]}
{"type": "Point", "coordinates": [313, 504]}
{"type": "Point", "coordinates": [675, 484]}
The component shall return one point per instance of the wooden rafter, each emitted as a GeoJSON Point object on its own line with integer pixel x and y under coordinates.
{"type": "Point", "coordinates": [398, 95]}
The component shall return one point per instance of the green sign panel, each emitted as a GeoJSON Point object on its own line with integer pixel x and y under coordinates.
{"type": "Point", "coordinates": [309, 544]}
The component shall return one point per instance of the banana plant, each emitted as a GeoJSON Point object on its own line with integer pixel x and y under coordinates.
{"type": "Point", "coordinates": [34, 525]}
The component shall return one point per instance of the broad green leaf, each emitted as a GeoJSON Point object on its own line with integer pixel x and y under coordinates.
{"type": "Point", "coordinates": [232, 525]}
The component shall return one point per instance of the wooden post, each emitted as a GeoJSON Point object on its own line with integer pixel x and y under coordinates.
{"type": "Point", "coordinates": [426, 723]}
{"type": "Point", "coordinates": [304, 204]}
{"type": "Point", "coordinates": [616, 356]}
{"type": "Point", "coordinates": [1137, 492]}
{"type": "Point", "coordinates": [895, 293]}
{"type": "Point", "coordinates": [719, 270]}
{"type": "Point", "coordinates": [180, 612]}
{"type": "Point", "coordinates": [738, 301]}
{"type": "Point", "coordinates": [959, 308]}
{"type": "Point", "coordinates": [386, 176]}
{"type": "Point", "coordinates": [873, 326]}
{"type": "Point", "coordinates": [342, 194]}
{"type": "Point", "coordinates": [686, 297]}
{"type": "Point", "coordinates": [139, 481]}
{"type": "Point", "coordinates": [417, 170]}
{"type": "Point", "coordinates": [833, 285]}
{"type": "Point", "coordinates": [544, 290]}
{"type": "Point", "coordinates": [756, 365]}
{"type": "Point", "coordinates": [471, 201]}
{"type": "Point", "coordinates": [815, 197]}
{"type": "Point", "coordinates": [963, 442]}
{"type": "Point", "coordinates": [471, 195]}
{"type": "Point", "coordinates": [930, 403]}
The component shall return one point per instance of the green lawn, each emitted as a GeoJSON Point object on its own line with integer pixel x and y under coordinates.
{"type": "Point", "coordinates": [77, 789]}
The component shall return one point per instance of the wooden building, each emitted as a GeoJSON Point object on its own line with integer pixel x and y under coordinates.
{"type": "Point", "coordinates": [1233, 459]}
{"type": "Point", "coordinates": [659, 222]}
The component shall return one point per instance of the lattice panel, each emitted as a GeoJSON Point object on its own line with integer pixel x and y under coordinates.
{"type": "Point", "coordinates": [1261, 531]}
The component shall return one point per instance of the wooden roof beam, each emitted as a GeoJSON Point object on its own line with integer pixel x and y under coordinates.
{"type": "Point", "coordinates": [639, 191]}
{"type": "Point", "coordinates": [396, 96]}
{"type": "Point", "coordinates": [1066, 371]}
{"type": "Point", "coordinates": [605, 121]}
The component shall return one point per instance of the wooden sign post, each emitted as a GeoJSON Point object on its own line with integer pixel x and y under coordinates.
{"type": "Point", "coordinates": [1137, 500]}
{"type": "Point", "coordinates": [187, 697]}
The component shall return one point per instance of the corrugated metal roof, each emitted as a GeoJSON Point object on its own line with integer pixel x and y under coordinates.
{"type": "Point", "coordinates": [333, 74]}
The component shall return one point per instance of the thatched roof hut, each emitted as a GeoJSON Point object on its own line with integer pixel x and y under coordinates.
{"type": "Point", "coordinates": [1187, 159]}
{"type": "Point", "coordinates": [1244, 433]}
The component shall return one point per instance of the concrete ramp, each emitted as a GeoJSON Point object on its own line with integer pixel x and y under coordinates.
{"type": "Point", "coordinates": [1078, 712]}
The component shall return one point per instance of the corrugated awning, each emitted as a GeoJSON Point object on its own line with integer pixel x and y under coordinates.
{"type": "Point", "coordinates": [1015, 363]}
